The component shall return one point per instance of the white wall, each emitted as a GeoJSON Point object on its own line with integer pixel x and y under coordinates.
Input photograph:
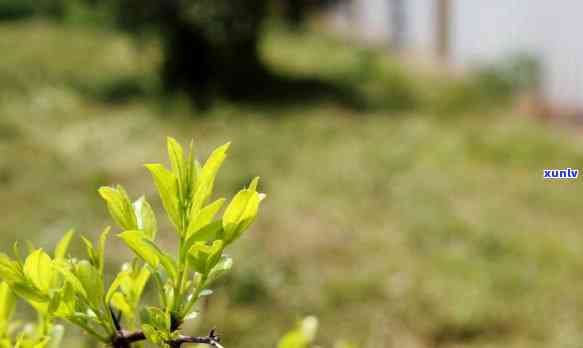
{"type": "Point", "coordinates": [485, 31]}
{"type": "Point", "coordinates": [373, 19]}
{"type": "Point", "coordinates": [488, 30]}
{"type": "Point", "coordinates": [421, 25]}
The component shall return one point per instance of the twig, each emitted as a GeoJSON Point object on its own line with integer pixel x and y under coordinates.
{"type": "Point", "coordinates": [125, 339]}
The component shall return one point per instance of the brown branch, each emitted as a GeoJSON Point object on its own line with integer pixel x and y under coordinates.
{"type": "Point", "coordinates": [124, 339]}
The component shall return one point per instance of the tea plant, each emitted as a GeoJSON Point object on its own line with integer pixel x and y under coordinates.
{"type": "Point", "coordinates": [63, 288]}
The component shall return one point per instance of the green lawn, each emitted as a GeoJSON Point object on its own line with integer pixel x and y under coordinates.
{"type": "Point", "coordinates": [397, 229]}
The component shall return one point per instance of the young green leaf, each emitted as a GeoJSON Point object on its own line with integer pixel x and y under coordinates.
{"type": "Point", "coordinates": [29, 293]}
{"type": "Point", "coordinates": [116, 284]}
{"type": "Point", "coordinates": [7, 304]}
{"type": "Point", "coordinates": [149, 252]}
{"type": "Point", "coordinates": [176, 155]}
{"type": "Point", "coordinates": [146, 217]}
{"type": "Point", "coordinates": [205, 181]}
{"type": "Point", "coordinates": [167, 185]}
{"type": "Point", "coordinates": [39, 270]}
{"type": "Point", "coordinates": [206, 234]}
{"type": "Point", "coordinates": [10, 270]}
{"type": "Point", "coordinates": [91, 253]}
{"type": "Point", "coordinates": [222, 268]}
{"type": "Point", "coordinates": [101, 251]}
{"type": "Point", "coordinates": [120, 302]}
{"type": "Point", "coordinates": [92, 282]}
{"type": "Point", "coordinates": [119, 206]}
{"type": "Point", "coordinates": [203, 257]}
{"type": "Point", "coordinates": [70, 278]}
{"type": "Point", "coordinates": [241, 212]}
{"type": "Point", "coordinates": [302, 336]}
{"type": "Point", "coordinates": [137, 243]}
{"type": "Point", "coordinates": [203, 217]}
{"type": "Point", "coordinates": [63, 245]}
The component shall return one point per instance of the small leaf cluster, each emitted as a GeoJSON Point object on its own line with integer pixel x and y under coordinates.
{"type": "Point", "coordinates": [61, 287]}
{"type": "Point", "coordinates": [304, 335]}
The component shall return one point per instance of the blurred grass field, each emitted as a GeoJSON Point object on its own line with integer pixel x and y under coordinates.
{"type": "Point", "coordinates": [396, 226]}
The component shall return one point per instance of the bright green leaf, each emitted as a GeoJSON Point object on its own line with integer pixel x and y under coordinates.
{"type": "Point", "coordinates": [208, 173]}
{"type": "Point", "coordinates": [71, 279]}
{"type": "Point", "coordinates": [101, 250]}
{"type": "Point", "coordinates": [167, 185]}
{"type": "Point", "coordinates": [176, 156]}
{"type": "Point", "coordinates": [7, 304]}
{"type": "Point", "coordinates": [149, 252]}
{"type": "Point", "coordinates": [119, 206]}
{"type": "Point", "coordinates": [92, 282]}
{"type": "Point", "coordinates": [203, 217]}
{"type": "Point", "coordinates": [136, 241]}
{"type": "Point", "coordinates": [119, 301]}
{"type": "Point", "coordinates": [63, 245]}
{"type": "Point", "coordinates": [241, 212]}
{"type": "Point", "coordinates": [205, 257]}
{"type": "Point", "coordinates": [146, 218]}
{"type": "Point", "coordinates": [29, 293]}
{"type": "Point", "coordinates": [222, 267]}
{"type": "Point", "coordinates": [38, 268]}
{"type": "Point", "coordinates": [10, 270]}
{"type": "Point", "coordinates": [117, 282]}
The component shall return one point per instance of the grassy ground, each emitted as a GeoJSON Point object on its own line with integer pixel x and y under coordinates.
{"type": "Point", "coordinates": [397, 229]}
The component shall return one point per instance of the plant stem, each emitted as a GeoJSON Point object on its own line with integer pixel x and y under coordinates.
{"type": "Point", "coordinates": [125, 339]}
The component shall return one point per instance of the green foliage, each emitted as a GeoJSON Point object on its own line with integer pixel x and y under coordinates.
{"type": "Point", "coordinates": [304, 335]}
{"type": "Point", "coordinates": [16, 9]}
{"type": "Point", "coordinates": [74, 290]}
{"type": "Point", "coordinates": [491, 85]}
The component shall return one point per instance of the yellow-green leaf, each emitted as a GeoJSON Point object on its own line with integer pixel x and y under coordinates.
{"type": "Point", "coordinates": [206, 178]}
{"type": "Point", "coordinates": [167, 185]}
{"type": "Point", "coordinates": [241, 212]}
{"type": "Point", "coordinates": [92, 282]}
{"type": "Point", "coordinates": [63, 245]}
{"type": "Point", "coordinates": [7, 304]}
{"type": "Point", "coordinates": [203, 217]}
{"type": "Point", "coordinates": [119, 206]}
{"type": "Point", "coordinates": [137, 243]}
{"type": "Point", "coordinates": [38, 269]}
{"type": "Point", "coordinates": [146, 218]}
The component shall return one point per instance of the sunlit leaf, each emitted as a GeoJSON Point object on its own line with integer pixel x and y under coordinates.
{"type": "Point", "coordinates": [241, 212]}
{"type": "Point", "coordinates": [10, 269]}
{"type": "Point", "coordinates": [120, 302]}
{"type": "Point", "coordinates": [222, 267]}
{"type": "Point", "coordinates": [149, 252]}
{"type": "Point", "coordinates": [204, 257]}
{"type": "Point", "coordinates": [167, 185]}
{"type": "Point", "coordinates": [146, 218]}
{"type": "Point", "coordinates": [137, 243]}
{"type": "Point", "coordinates": [38, 268]}
{"type": "Point", "coordinates": [119, 206]}
{"type": "Point", "coordinates": [71, 278]}
{"type": "Point", "coordinates": [205, 180]}
{"type": "Point", "coordinates": [203, 217]}
{"type": "Point", "coordinates": [176, 156]}
{"type": "Point", "coordinates": [92, 282]}
{"type": "Point", "coordinates": [101, 250]}
{"type": "Point", "coordinates": [7, 304]}
{"type": "Point", "coordinates": [302, 336]}
{"type": "Point", "coordinates": [63, 245]}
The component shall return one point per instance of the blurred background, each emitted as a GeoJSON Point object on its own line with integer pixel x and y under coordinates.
{"type": "Point", "coordinates": [401, 144]}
